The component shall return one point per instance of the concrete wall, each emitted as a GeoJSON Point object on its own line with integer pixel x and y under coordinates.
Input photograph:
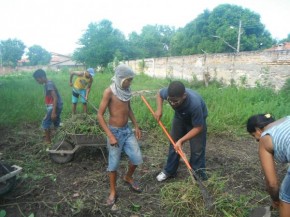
{"type": "Point", "coordinates": [268, 68]}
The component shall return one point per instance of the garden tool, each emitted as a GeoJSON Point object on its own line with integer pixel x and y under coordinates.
{"type": "Point", "coordinates": [206, 197]}
{"type": "Point", "coordinates": [89, 102]}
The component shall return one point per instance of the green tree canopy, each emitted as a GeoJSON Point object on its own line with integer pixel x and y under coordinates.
{"type": "Point", "coordinates": [38, 55]}
{"type": "Point", "coordinates": [100, 44]}
{"type": "Point", "coordinates": [220, 31]}
{"type": "Point", "coordinates": [153, 41]}
{"type": "Point", "coordinates": [11, 51]}
{"type": "Point", "coordinates": [285, 39]}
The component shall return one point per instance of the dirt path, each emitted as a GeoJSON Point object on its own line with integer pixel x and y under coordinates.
{"type": "Point", "coordinates": [80, 187]}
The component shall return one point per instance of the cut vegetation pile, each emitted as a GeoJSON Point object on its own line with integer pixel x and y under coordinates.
{"type": "Point", "coordinates": [80, 124]}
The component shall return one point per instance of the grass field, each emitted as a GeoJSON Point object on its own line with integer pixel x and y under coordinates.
{"type": "Point", "coordinates": [48, 189]}
{"type": "Point", "coordinates": [229, 107]}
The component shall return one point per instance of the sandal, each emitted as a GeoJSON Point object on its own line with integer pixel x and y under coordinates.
{"type": "Point", "coordinates": [134, 186]}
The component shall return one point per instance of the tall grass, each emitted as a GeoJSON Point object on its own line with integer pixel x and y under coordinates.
{"type": "Point", "coordinates": [22, 100]}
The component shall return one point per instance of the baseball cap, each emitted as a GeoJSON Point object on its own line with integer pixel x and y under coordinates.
{"type": "Point", "coordinates": [91, 71]}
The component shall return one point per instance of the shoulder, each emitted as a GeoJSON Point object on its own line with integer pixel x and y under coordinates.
{"type": "Point", "coordinates": [108, 92]}
{"type": "Point", "coordinates": [195, 96]}
{"type": "Point", "coordinates": [163, 92]}
{"type": "Point", "coordinates": [78, 73]}
{"type": "Point", "coordinates": [266, 143]}
{"type": "Point", "coordinates": [49, 83]}
{"type": "Point", "coordinates": [191, 92]}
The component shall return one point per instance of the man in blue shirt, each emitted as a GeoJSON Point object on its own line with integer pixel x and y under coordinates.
{"type": "Point", "coordinates": [188, 124]}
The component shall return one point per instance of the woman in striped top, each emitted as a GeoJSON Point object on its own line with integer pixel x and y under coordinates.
{"type": "Point", "coordinates": [274, 145]}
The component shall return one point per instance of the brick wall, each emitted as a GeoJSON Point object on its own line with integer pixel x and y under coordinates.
{"type": "Point", "coordinates": [270, 68]}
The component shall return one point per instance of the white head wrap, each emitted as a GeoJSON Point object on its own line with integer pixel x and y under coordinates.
{"type": "Point", "coordinates": [122, 72]}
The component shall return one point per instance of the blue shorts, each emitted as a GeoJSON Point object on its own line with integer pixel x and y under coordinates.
{"type": "Point", "coordinates": [76, 95]}
{"type": "Point", "coordinates": [284, 193]}
{"type": "Point", "coordinates": [127, 142]}
{"type": "Point", "coordinates": [47, 122]}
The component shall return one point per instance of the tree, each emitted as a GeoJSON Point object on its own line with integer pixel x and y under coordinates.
{"type": "Point", "coordinates": [285, 39]}
{"type": "Point", "coordinates": [38, 55]}
{"type": "Point", "coordinates": [153, 41]}
{"type": "Point", "coordinates": [187, 39]}
{"type": "Point", "coordinates": [135, 47]}
{"type": "Point", "coordinates": [11, 51]}
{"type": "Point", "coordinates": [225, 22]}
{"type": "Point", "coordinates": [219, 31]}
{"type": "Point", "coordinates": [100, 44]}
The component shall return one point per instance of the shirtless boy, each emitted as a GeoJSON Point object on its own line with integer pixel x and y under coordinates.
{"type": "Point", "coordinates": [120, 136]}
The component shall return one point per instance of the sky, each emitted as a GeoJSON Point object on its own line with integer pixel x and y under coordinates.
{"type": "Point", "coordinates": [57, 25]}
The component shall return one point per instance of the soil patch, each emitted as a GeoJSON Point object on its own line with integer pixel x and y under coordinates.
{"type": "Point", "coordinates": [80, 187]}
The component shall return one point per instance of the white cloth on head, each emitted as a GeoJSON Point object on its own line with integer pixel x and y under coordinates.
{"type": "Point", "coordinates": [122, 72]}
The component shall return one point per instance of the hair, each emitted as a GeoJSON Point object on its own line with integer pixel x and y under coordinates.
{"type": "Point", "coordinates": [39, 73]}
{"type": "Point", "coordinates": [176, 89]}
{"type": "Point", "coordinates": [259, 121]}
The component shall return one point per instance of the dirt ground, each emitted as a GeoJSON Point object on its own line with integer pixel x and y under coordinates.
{"type": "Point", "coordinates": [79, 188]}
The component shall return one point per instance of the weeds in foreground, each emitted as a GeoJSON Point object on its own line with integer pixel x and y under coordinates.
{"type": "Point", "coordinates": [184, 199]}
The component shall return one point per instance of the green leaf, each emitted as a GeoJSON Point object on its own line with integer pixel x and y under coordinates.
{"type": "Point", "coordinates": [2, 213]}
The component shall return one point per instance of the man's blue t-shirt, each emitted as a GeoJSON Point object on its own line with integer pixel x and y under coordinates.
{"type": "Point", "coordinates": [192, 111]}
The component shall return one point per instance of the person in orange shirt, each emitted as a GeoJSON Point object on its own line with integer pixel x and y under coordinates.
{"type": "Point", "coordinates": [81, 86]}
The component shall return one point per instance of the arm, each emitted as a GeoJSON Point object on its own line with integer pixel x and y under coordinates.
{"type": "Point", "coordinates": [268, 166]}
{"type": "Point", "coordinates": [100, 116]}
{"type": "Point", "coordinates": [89, 88]}
{"type": "Point", "coordinates": [54, 96]}
{"type": "Point", "coordinates": [159, 102]}
{"type": "Point", "coordinates": [138, 133]}
{"type": "Point", "coordinates": [72, 74]}
{"type": "Point", "coordinates": [197, 127]}
{"type": "Point", "coordinates": [192, 133]}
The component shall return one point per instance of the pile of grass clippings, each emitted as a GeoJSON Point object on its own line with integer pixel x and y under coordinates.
{"type": "Point", "coordinates": [79, 124]}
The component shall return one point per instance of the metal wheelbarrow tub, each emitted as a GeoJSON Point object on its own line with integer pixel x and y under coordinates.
{"type": "Point", "coordinates": [8, 177]}
{"type": "Point", "coordinates": [63, 151]}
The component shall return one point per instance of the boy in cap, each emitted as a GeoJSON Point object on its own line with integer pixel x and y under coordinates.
{"type": "Point", "coordinates": [53, 104]}
{"type": "Point", "coordinates": [81, 86]}
{"type": "Point", "coordinates": [120, 136]}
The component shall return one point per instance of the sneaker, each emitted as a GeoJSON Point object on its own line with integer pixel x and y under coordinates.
{"type": "Point", "coordinates": [202, 175]}
{"type": "Point", "coordinates": [161, 177]}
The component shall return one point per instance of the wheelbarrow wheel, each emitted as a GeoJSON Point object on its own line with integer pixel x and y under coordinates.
{"type": "Point", "coordinates": [7, 185]}
{"type": "Point", "coordinates": [62, 158]}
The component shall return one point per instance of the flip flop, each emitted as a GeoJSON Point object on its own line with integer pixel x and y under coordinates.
{"type": "Point", "coordinates": [111, 202]}
{"type": "Point", "coordinates": [134, 186]}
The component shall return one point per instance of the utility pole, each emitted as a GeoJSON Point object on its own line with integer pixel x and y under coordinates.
{"type": "Point", "coordinates": [239, 37]}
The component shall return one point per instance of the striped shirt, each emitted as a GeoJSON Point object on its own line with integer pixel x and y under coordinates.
{"type": "Point", "coordinates": [280, 135]}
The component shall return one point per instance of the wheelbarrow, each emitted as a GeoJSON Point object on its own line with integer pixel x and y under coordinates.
{"type": "Point", "coordinates": [63, 151]}
{"type": "Point", "coordinates": [8, 177]}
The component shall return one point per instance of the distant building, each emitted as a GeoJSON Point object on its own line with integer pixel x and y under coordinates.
{"type": "Point", "coordinates": [280, 46]}
{"type": "Point", "coordinates": [59, 61]}
{"type": "Point", "coordinates": [23, 61]}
